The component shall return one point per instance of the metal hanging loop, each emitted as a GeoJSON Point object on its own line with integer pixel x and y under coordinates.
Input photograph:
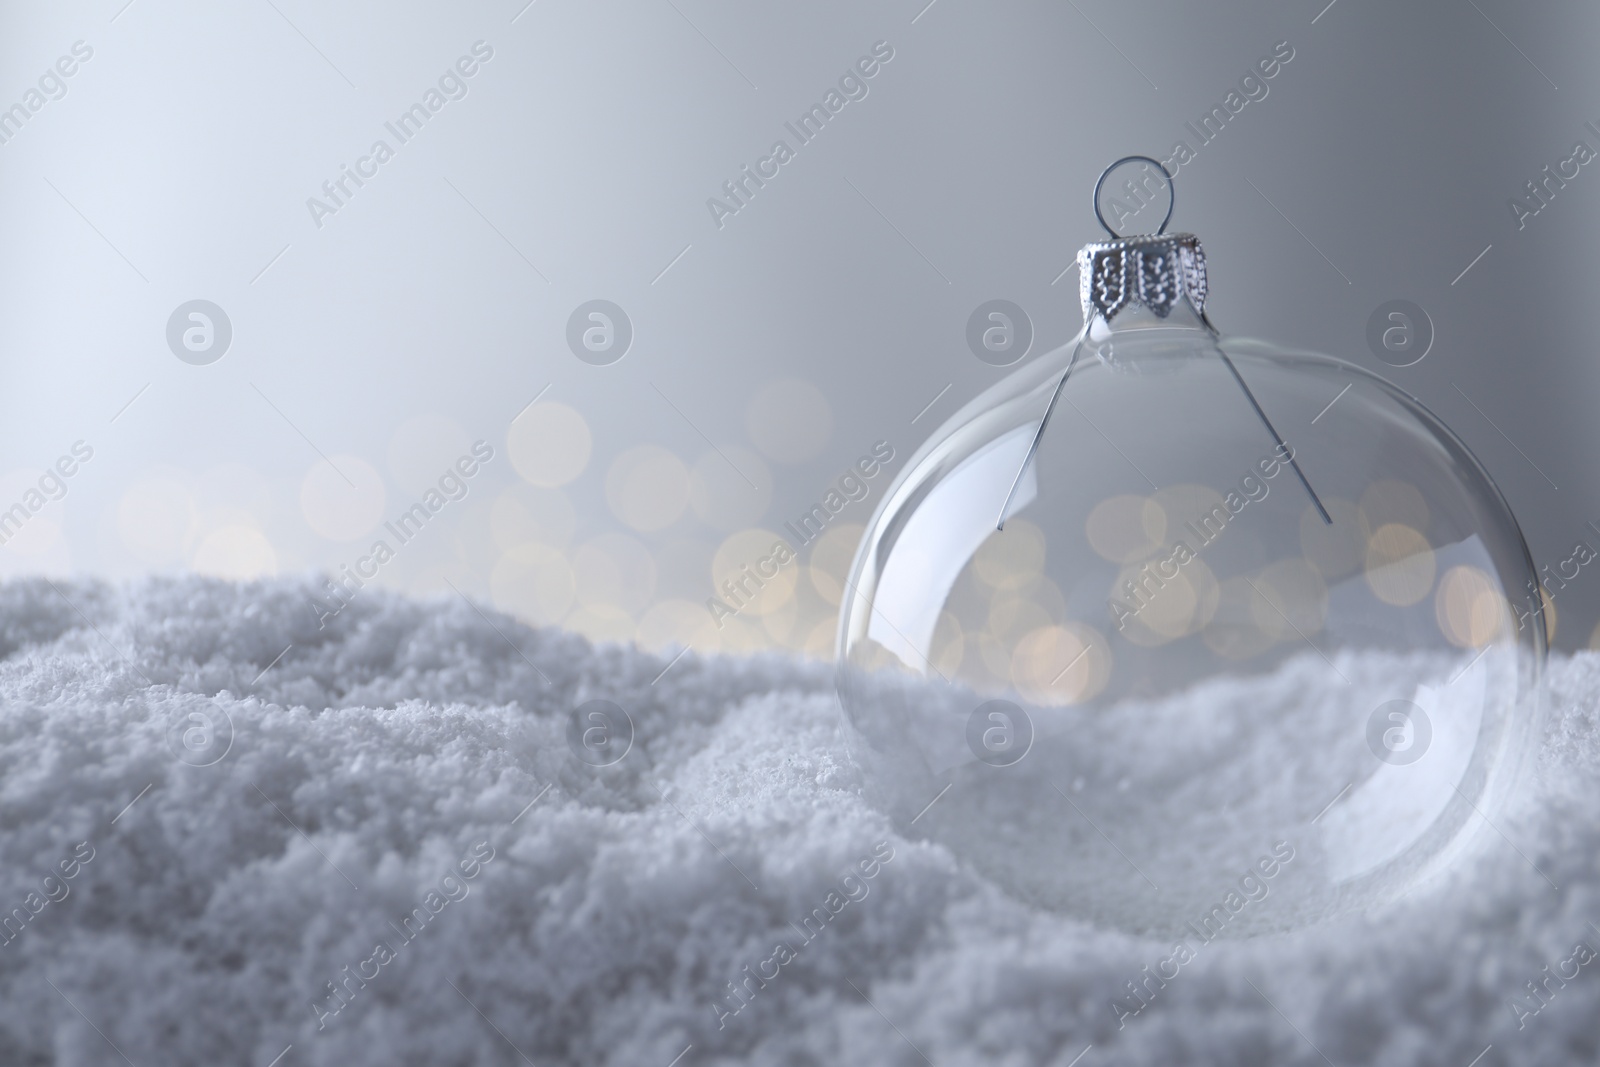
{"type": "Point", "coordinates": [1172, 192]}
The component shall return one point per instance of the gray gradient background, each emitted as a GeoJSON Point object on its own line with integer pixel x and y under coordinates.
{"type": "Point", "coordinates": [592, 140]}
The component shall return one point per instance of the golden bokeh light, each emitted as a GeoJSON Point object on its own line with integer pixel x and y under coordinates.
{"type": "Point", "coordinates": [821, 641]}
{"type": "Point", "coordinates": [779, 614]}
{"type": "Point", "coordinates": [534, 582]}
{"type": "Point", "coordinates": [746, 572]}
{"type": "Point", "coordinates": [1011, 617]}
{"type": "Point", "coordinates": [647, 488]}
{"type": "Point", "coordinates": [1125, 529]}
{"type": "Point", "coordinates": [1180, 605]}
{"type": "Point", "coordinates": [1060, 665]}
{"type": "Point", "coordinates": [549, 444]}
{"type": "Point", "coordinates": [994, 657]}
{"type": "Point", "coordinates": [342, 497]}
{"type": "Point", "coordinates": [1400, 565]}
{"type": "Point", "coordinates": [1470, 608]}
{"type": "Point", "coordinates": [1012, 614]}
{"type": "Point", "coordinates": [1390, 501]}
{"type": "Point", "coordinates": [829, 563]}
{"type": "Point", "coordinates": [1011, 558]}
{"type": "Point", "coordinates": [241, 553]}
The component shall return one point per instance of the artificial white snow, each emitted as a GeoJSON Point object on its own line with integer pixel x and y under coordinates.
{"type": "Point", "coordinates": [376, 791]}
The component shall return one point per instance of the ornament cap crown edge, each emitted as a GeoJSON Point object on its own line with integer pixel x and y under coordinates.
{"type": "Point", "coordinates": [1154, 270]}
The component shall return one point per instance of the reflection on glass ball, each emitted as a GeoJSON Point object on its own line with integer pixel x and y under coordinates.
{"type": "Point", "coordinates": [1214, 663]}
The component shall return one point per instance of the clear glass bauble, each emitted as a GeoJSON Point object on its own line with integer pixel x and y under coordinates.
{"type": "Point", "coordinates": [1169, 671]}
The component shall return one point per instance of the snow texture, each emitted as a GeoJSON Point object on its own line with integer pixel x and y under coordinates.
{"type": "Point", "coordinates": [377, 763]}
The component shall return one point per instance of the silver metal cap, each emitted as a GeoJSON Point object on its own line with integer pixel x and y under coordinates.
{"type": "Point", "coordinates": [1155, 270]}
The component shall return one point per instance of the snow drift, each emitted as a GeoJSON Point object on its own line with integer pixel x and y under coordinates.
{"type": "Point", "coordinates": [373, 844]}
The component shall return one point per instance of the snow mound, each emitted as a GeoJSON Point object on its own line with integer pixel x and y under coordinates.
{"type": "Point", "coordinates": [226, 833]}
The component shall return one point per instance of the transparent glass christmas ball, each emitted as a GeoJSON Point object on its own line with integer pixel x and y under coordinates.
{"type": "Point", "coordinates": [1259, 640]}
